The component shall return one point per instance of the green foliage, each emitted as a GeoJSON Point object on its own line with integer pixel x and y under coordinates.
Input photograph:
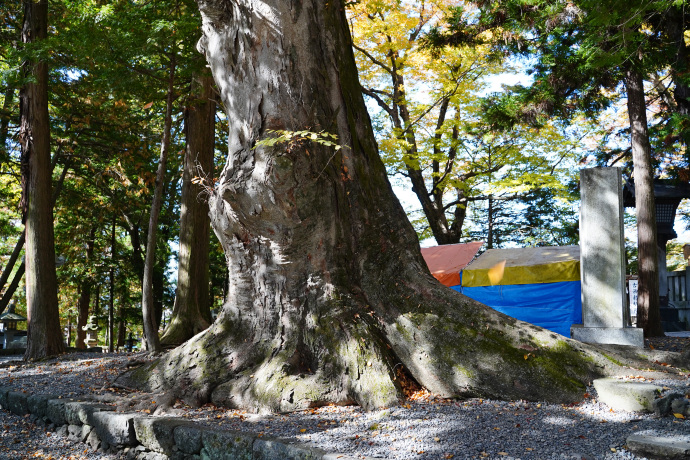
{"type": "Point", "coordinates": [107, 88]}
{"type": "Point", "coordinates": [432, 131]}
{"type": "Point", "coordinates": [674, 256]}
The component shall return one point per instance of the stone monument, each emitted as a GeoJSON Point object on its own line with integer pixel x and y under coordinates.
{"type": "Point", "coordinates": [605, 314]}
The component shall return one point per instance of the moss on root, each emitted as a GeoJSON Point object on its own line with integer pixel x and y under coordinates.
{"type": "Point", "coordinates": [482, 358]}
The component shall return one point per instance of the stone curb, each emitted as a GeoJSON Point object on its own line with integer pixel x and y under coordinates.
{"type": "Point", "coordinates": [150, 437]}
{"type": "Point", "coordinates": [660, 446]}
{"type": "Point", "coordinates": [626, 395]}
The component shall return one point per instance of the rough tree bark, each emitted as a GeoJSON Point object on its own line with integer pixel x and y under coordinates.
{"type": "Point", "coordinates": [191, 312]}
{"type": "Point", "coordinates": [329, 298]}
{"type": "Point", "coordinates": [44, 336]}
{"type": "Point", "coordinates": [648, 314]}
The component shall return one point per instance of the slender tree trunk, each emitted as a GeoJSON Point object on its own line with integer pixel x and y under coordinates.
{"type": "Point", "coordinates": [121, 327]}
{"type": "Point", "coordinates": [675, 27]}
{"type": "Point", "coordinates": [158, 289]}
{"type": "Point", "coordinates": [44, 337]}
{"type": "Point", "coordinates": [12, 260]}
{"type": "Point", "coordinates": [147, 302]}
{"type": "Point", "coordinates": [648, 316]}
{"type": "Point", "coordinates": [111, 306]}
{"type": "Point", "coordinates": [85, 296]}
{"type": "Point", "coordinates": [12, 288]}
{"type": "Point", "coordinates": [97, 301]}
{"type": "Point", "coordinates": [5, 117]}
{"type": "Point", "coordinates": [82, 314]}
{"type": "Point", "coordinates": [191, 313]}
{"type": "Point", "coordinates": [22, 238]}
{"type": "Point", "coordinates": [137, 253]}
{"type": "Point", "coordinates": [490, 225]}
{"type": "Point", "coordinates": [330, 299]}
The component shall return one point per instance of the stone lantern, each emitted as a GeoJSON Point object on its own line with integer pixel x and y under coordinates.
{"type": "Point", "coordinates": [667, 197]}
{"type": "Point", "coordinates": [92, 329]}
{"type": "Point", "coordinates": [129, 343]}
{"type": "Point", "coordinates": [8, 322]}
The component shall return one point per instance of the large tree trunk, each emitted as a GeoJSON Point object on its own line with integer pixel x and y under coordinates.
{"type": "Point", "coordinates": [191, 313]}
{"type": "Point", "coordinates": [329, 298]}
{"type": "Point", "coordinates": [648, 315]}
{"type": "Point", "coordinates": [44, 337]}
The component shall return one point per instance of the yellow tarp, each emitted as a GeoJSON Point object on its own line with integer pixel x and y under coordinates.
{"type": "Point", "coordinates": [523, 266]}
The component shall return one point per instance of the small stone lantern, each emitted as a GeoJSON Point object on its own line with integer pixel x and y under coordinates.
{"type": "Point", "coordinates": [92, 329]}
{"type": "Point", "coordinates": [8, 321]}
{"type": "Point", "coordinates": [129, 343]}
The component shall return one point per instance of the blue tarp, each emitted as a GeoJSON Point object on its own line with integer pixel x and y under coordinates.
{"type": "Point", "coordinates": [553, 306]}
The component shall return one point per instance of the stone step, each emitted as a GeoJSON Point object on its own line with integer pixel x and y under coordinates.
{"type": "Point", "coordinates": [673, 326]}
{"type": "Point", "coordinates": [660, 446]}
{"type": "Point", "coordinates": [627, 395]}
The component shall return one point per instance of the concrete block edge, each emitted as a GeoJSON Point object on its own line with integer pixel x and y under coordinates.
{"type": "Point", "coordinates": [302, 451]}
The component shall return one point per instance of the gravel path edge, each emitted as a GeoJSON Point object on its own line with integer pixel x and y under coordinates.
{"type": "Point", "coordinates": [138, 436]}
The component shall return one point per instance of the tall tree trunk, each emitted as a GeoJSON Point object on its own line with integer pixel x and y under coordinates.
{"type": "Point", "coordinates": [675, 23]}
{"type": "Point", "coordinates": [82, 314]}
{"type": "Point", "coordinates": [147, 302]}
{"type": "Point", "coordinates": [648, 316]}
{"type": "Point", "coordinates": [111, 305]}
{"type": "Point", "coordinates": [44, 336]}
{"type": "Point", "coordinates": [12, 288]}
{"type": "Point", "coordinates": [191, 313]}
{"type": "Point", "coordinates": [7, 269]}
{"type": "Point", "coordinates": [5, 117]}
{"type": "Point", "coordinates": [85, 296]}
{"type": "Point", "coordinates": [490, 224]}
{"type": "Point", "coordinates": [97, 301]}
{"type": "Point", "coordinates": [20, 242]}
{"type": "Point", "coordinates": [330, 299]}
{"type": "Point", "coordinates": [137, 254]}
{"type": "Point", "coordinates": [121, 327]}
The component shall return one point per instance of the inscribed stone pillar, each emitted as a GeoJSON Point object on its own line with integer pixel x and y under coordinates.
{"type": "Point", "coordinates": [602, 261]}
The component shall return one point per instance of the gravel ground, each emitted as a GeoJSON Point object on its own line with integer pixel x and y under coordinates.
{"type": "Point", "coordinates": [423, 428]}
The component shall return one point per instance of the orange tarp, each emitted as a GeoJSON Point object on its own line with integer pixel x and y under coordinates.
{"type": "Point", "coordinates": [447, 261]}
